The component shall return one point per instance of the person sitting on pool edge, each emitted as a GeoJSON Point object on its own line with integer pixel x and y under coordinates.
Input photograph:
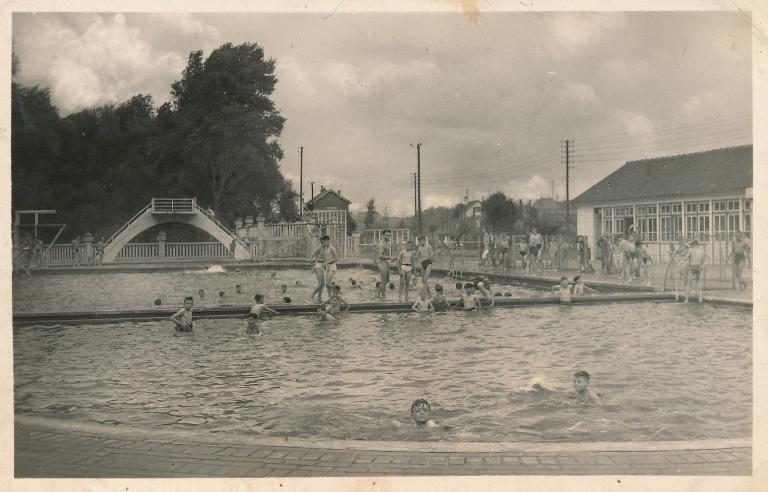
{"type": "Point", "coordinates": [183, 317]}
{"type": "Point", "coordinates": [470, 301]}
{"type": "Point", "coordinates": [439, 302]}
{"type": "Point", "coordinates": [583, 390]}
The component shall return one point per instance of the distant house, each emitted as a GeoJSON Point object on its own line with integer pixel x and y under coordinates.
{"type": "Point", "coordinates": [328, 199]}
{"type": "Point", "coordinates": [704, 193]}
{"type": "Point", "coordinates": [473, 209]}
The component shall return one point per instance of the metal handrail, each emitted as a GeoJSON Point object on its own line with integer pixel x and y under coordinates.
{"type": "Point", "coordinates": [125, 226]}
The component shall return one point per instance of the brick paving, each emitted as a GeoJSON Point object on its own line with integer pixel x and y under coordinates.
{"type": "Point", "coordinates": [46, 452]}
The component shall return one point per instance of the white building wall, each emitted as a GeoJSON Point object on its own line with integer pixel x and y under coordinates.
{"type": "Point", "coordinates": [585, 222]}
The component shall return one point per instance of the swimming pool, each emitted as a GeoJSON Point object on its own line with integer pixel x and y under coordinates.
{"type": "Point", "coordinates": [113, 291]}
{"type": "Point", "coordinates": [308, 378]}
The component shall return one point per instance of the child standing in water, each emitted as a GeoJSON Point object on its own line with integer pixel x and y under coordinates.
{"type": "Point", "coordinates": [423, 305]}
{"type": "Point", "coordinates": [563, 290]}
{"type": "Point", "coordinates": [470, 301]}
{"type": "Point", "coordinates": [332, 307]}
{"type": "Point", "coordinates": [439, 302]}
{"type": "Point", "coordinates": [696, 258]}
{"type": "Point", "coordinates": [183, 317]}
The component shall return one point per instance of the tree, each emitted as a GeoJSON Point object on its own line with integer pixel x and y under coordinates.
{"type": "Point", "coordinates": [370, 213]}
{"type": "Point", "coordinates": [351, 224]}
{"type": "Point", "coordinates": [223, 125]}
{"type": "Point", "coordinates": [499, 212]}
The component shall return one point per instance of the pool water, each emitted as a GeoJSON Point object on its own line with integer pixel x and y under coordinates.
{"type": "Point", "coordinates": [114, 291]}
{"type": "Point", "coordinates": [664, 371]}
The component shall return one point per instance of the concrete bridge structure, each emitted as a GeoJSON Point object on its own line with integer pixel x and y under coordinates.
{"type": "Point", "coordinates": [172, 210]}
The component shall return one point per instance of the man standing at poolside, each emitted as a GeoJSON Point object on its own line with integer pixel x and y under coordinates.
{"type": "Point", "coordinates": [384, 256]}
{"type": "Point", "coordinates": [535, 243]}
{"type": "Point", "coordinates": [740, 253]}
{"type": "Point", "coordinates": [324, 267]}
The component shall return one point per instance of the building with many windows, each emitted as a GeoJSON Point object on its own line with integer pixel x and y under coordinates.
{"type": "Point", "coordinates": [706, 194]}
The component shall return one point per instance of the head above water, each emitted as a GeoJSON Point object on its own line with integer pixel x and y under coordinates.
{"type": "Point", "coordinates": [439, 288]}
{"type": "Point", "coordinates": [325, 240]}
{"type": "Point", "coordinates": [283, 288]}
{"type": "Point", "coordinates": [188, 302]}
{"type": "Point", "coordinates": [287, 300]}
{"type": "Point", "coordinates": [469, 287]}
{"type": "Point", "coordinates": [420, 410]}
{"type": "Point", "coordinates": [581, 380]}
{"type": "Point", "coordinates": [238, 288]}
{"type": "Point", "coordinates": [259, 298]}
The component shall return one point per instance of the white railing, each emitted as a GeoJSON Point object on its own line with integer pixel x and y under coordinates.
{"type": "Point", "coordinates": [173, 206]}
{"type": "Point", "coordinates": [131, 221]}
{"type": "Point", "coordinates": [196, 250]}
{"type": "Point", "coordinates": [61, 254]}
{"type": "Point", "coordinates": [138, 251]}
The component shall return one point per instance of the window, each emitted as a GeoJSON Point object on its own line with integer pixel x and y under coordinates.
{"type": "Point", "coordinates": [718, 206]}
{"type": "Point", "coordinates": [733, 225]}
{"type": "Point", "coordinates": [720, 227]}
{"type": "Point", "coordinates": [671, 220]}
{"type": "Point", "coordinates": [704, 225]}
{"type": "Point", "coordinates": [733, 205]}
{"type": "Point", "coordinates": [646, 222]}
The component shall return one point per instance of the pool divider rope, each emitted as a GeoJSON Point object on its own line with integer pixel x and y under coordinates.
{"type": "Point", "coordinates": [241, 311]}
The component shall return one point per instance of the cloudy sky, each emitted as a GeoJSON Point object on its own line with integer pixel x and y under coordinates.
{"type": "Point", "coordinates": [490, 97]}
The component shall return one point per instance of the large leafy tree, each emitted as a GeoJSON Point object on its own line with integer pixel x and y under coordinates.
{"type": "Point", "coordinates": [221, 125]}
{"type": "Point", "coordinates": [499, 212]}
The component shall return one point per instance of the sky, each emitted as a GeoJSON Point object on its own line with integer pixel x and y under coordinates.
{"type": "Point", "coordinates": [490, 97]}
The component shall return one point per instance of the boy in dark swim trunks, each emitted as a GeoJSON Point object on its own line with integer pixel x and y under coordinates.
{"type": "Point", "coordinates": [740, 253]}
{"type": "Point", "coordinates": [696, 258]}
{"type": "Point", "coordinates": [425, 260]}
{"type": "Point", "coordinates": [439, 302]}
{"type": "Point", "coordinates": [384, 256]}
{"type": "Point", "coordinates": [470, 301]}
{"type": "Point", "coordinates": [183, 317]}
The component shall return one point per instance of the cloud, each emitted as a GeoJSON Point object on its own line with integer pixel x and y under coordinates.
{"type": "Point", "coordinates": [528, 189]}
{"type": "Point", "coordinates": [104, 60]}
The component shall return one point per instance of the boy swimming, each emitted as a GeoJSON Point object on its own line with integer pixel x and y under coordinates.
{"type": "Point", "coordinates": [420, 410]}
{"type": "Point", "coordinates": [583, 391]}
{"type": "Point", "coordinates": [422, 305]}
{"type": "Point", "coordinates": [259, 308]}
{"type": "Point", "coordinates": [183, 317]}
{"type": "Point", "coordinates": [439, 302]}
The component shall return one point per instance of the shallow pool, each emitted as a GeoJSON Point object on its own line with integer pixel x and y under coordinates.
{"type": "Point", "coordinates": [665, 372]}
{"type": "Point", "coordinates": [113, 291]}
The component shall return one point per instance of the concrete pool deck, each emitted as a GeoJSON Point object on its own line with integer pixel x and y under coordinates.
{"type": "Point", "coordinates": [48, 448]}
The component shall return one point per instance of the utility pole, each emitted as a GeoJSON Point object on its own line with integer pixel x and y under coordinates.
{"type": "Point", "coordinates": [568, 149]}
{"type": "Point", "coordinates": [418, 172]}
{"type": "Point", "coordinates": [301, 181]}
{"type": "Point", "coordinates": [312, 188]}
{"type": "Point", "coordinates": [415, 203]}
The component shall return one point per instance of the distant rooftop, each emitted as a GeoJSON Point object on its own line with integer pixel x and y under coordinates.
{"type": "Point", "coordinates": [700, 173]}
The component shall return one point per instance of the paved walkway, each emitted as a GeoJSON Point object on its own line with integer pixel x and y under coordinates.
{"type": "Point", "coordinates": [60, 450]}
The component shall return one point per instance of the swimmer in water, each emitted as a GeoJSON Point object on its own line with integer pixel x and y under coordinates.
{"type": "Point", "coordinates": [331, 309]}
{"type": "Point", "coordinates": [420, 410]}
{"type": "Point", "coordinates": [183, 317]}
{"type": "Point", "coordinates": [257, 312]}
{"type": "Point", "coordinates": [355, 284]}
{"type": "Point", "coordinates": [584, 392]}
{"type": "Point", "coordinates": [439, 302]}
{"type": "Point", "coordinates": [564, 290]}
{"type": "Point", "coordinates": [158, 302]}
{"type": "Point", "coordinates": [222, 295]}
{"type": "Point", "coordinates": [238, 289]}
{"type": "Point", "coordinates": [483, 286]}
{"type": "Point", "coordinates": [470, 301]}
{"type": "Point", "coordinates": [422, 305]}
{"type": "Point", "coordinates": [579, 288]}
{"type": "Point", "coordinates": [201, 294]}
{"type": "Point", "coordinates": [283, 289]}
